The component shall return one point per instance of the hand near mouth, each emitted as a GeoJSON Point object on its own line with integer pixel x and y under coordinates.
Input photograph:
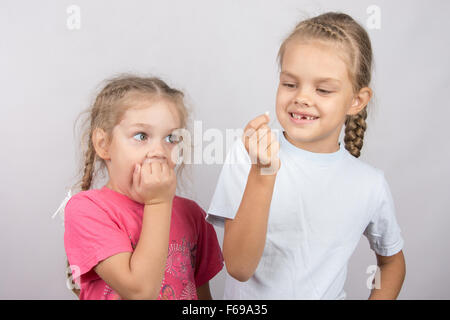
{"type": "Point", "coordinates": [154, 182]}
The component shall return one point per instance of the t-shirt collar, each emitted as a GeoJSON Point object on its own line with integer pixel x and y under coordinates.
{"type": "Point", "coordinates": [121, 197]}
{"type": "Point", "coordinates": [319, 158]}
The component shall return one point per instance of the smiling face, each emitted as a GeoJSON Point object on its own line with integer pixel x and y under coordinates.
{"type": "Point", "coordinates": [314, 96]}
{"type": "Point", "coordinates": [145, 131]}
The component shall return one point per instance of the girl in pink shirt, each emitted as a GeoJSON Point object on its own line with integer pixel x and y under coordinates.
{"type": "Point", "coordinates": [134, 238]}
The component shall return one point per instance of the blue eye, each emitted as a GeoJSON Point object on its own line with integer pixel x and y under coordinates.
{"type": "Point", "coordinates": [172, 138]}
{"type": "Point", "coordinates": [142, 136]}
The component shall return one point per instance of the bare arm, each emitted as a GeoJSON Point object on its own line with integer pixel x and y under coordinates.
{"type": "Point", "coordinates": [138, 275]}
{"type": "Point", "coordinates": [392, 270]}
{"type": "Point", "coordinates": [245, 235]}
{"type": "Point", "coordinates": [203, 292]}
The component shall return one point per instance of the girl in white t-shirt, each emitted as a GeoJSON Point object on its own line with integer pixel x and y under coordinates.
{"type": "Point", "coordinates": [294, 207]}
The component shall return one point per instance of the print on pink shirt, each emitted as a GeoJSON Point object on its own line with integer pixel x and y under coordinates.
{"type": "Point", "coordinates": [100, 223]}
{"type": "Point", "coordinates": [180, 260]}
{"type": "Point", "coordinates": [180, 257]}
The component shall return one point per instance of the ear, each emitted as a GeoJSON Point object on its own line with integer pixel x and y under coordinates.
{"type": "Point", "coordinates": [360, 101]}
{"type": "Point", "coordinates": [100, 142]}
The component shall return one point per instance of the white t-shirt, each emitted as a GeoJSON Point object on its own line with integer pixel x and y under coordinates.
{"type": "Point", "coordinates": [321, 205]}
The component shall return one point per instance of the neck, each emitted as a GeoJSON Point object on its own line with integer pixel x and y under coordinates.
{"type": "Point", "coordinates": [111, 185]}
{"type": "Point", "coordinates": [315, 146]}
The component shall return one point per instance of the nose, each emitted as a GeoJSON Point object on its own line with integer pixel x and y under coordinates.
{"type": "Point", "coordinates": [302, 99]}
{"type": "Point", "coordinates": [302, 102]}
{"type": "Point", "coordinates": [156, 151]}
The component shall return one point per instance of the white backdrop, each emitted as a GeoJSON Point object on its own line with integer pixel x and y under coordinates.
{"type": "Point", "coordinates": [223, 55]}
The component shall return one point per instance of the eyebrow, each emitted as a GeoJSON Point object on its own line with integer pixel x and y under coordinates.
{"type": "Point", "coordinates": [287, 74]}
{"type": "Point", "coordinates": [325, 79]}
{"type": "Point", "coordinates": [145, 125]}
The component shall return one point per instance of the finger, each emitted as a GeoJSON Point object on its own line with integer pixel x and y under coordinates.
{"type": "Point", "coordinates": [264, 136]}
{"type": "Point", "coordinates": [248, 133]}
{"type": "Point", "coordinates": [263, 131]}
{"type": "Point", "coordinates": [137, 175]}
{"type": "Point", "coordinates": [156, 168]}
{"type": "Point", "coordinates": [253, 126]}
{"type": "Point", "coordinates": [269, 153]}
{"type": "Point", "coordinates": [146, 167]}
{"type": "Point", "coordinates": [164, 169]}
{"type": "Point", "coordinates": [274, 154]}
{"type": "Point", "coordinates": [169, 173]}
{"type": "Point", "coordinates": [145, 173]}
{"type": "Point", "coordinates": [257, 122]}
{"type": "Point", "coordinates": [274, 150]}
{"type": "Point", "coordinates": [263, 155]}
{"type": "Point", "coordinates": [260, 132]}
{"type": "Point", "coordinates": [272, 140]}
{"type": "Point", "coordinates": [252, 147]}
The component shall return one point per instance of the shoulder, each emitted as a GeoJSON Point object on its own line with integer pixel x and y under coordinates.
{"type": "Point", "coordinates": [190, 214]}
{"type": "Point", "coordinates": [89, 201]}
{"type": "Point", "coordinates": [363, 170]}
{"type": "Point", "coordinates": [371, 183]}
{"type": "Point", "coordinates": [84, 197]}
{"type": "Point", "coordinates": [188, 206]}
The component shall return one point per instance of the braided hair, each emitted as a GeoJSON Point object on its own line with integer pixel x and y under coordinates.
{"type": "Point", "coordinates": [343, 30]}
{"type": "Point", "coordinates": [107, 111]}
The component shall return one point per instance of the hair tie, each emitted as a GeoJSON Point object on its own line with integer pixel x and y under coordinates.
{"type": "Point", "coordinates": [62, 206]}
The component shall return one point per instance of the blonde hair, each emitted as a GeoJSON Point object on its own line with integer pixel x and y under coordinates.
{"type": "Point", "coordinates": [107, 111]}
{"type": "Point", "coordinates": [342, 30]}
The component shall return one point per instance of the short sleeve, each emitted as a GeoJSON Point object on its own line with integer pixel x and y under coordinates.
{"type": "Point", "coordinates": [383, 231]}
{"type": "Point", "coordinates": [90, 235]}
{"type": "Point", "coordinates": [209, 259]}
{"type": "Point", "coordinates": [230, 185]}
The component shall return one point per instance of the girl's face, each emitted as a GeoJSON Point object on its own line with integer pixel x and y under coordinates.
{"type": "Point", "coordinates": [145, 131]}
{"type": "Point", "coordinates": [314, 95]}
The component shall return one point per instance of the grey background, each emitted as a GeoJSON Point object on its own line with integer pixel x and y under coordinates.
{"type": "Point", "coordinates": [222, 54]}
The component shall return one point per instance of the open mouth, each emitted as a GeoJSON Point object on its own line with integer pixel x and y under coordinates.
{"type": "Point", "coordinates": [299, 118]}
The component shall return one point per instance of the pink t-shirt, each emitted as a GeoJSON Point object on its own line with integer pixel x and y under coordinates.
{"type": "Point", "coordinates": [100, 223]}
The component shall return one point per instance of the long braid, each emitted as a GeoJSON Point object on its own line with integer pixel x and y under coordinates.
{"type": "Point", "coordinates": [86, 182]}
{"type": "Point", "coordinates": [355, 127]}
{"type": "Point", "coordinates": [340, 28]}
{"type": "Point", "coordinates": [89, 165]}
{"type": "Point", "coordinates": [90, 155]}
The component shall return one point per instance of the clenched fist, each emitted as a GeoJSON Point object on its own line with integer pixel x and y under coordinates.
{"type": "Point", "coordinates": [262, 145]}
{"type": "Point", "coordinates": [154, 182]}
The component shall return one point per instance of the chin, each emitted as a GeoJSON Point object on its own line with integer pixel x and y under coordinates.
{"type": "Point", "coordinates": [302, 134]}
{"type": "Point", "coordinates": [300, 137]}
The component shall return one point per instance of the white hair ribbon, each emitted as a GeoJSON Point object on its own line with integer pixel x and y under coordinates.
{"type": "Point", "coordinates": [62, 206]}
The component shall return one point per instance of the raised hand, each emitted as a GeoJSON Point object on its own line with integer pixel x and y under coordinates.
{"type": "Point", "coordinates": [262, 145]}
